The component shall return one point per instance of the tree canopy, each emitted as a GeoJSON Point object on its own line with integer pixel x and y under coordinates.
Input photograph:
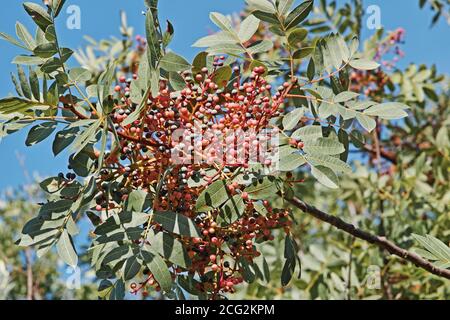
{"type": "Point", "coordinates": [290, 159]}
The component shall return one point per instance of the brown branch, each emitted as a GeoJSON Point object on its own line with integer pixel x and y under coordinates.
{"type": "Point", "coordinates": [382, 242]}
{"type": "Point", "coordinates": [388, 155]}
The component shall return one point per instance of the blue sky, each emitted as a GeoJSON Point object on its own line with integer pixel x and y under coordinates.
{"type": "Point", "coordinates": [100, 19]}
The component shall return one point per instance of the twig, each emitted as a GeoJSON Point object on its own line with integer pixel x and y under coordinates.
{"type": "Point", "coordinates": [371, 238]}
{"type": "Point", "coordinates": [390, 156]}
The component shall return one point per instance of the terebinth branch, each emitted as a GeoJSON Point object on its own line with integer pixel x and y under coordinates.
{"type": "Point", "coordinates": [390, 156]}
{"type": "Point", "coordinates": [371, 238]}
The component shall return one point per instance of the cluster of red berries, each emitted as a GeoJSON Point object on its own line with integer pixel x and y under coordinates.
{"type": "Point", "coordinates": [215, 256]}
{"type": "Point", "coordinates": [144, 159]}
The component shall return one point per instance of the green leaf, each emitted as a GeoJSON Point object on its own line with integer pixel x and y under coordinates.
{"type": "Point", "coordinates": [436, 249]}
{"type": "Point", "coordinates": [24, 84]}
{"type": "Point", "coordinates": [290, 263]}
{"type": "Point", "coordinates": [118, 291]}
{"type": "Point", "coordinates": [39, 15]}
{"type": "Point", "coordinates": [63, 139]}
{"type": "Point", "coordinates": [95, 220]}
{"type": "Point", "coordinates": [51, 65]}
{"type": "Point", "coordinates": [199, 62]}
{"type": "Point", "coordinates": [291, 162]}
{"type": "Point", "coordinates": [170, 248]}
{"type": "Point", "coordinates": [222, 76]}
{"type": "Point", "coordinates": [232, 210]}
{"type": "Point", "coordinates": [388, 111]}
{"type": "Point", "coordinates": [343, 48]}
{"type": "Point", "coordinates": [154, 82]}
{"type": "Point", "coordinates": [45, 50]}
{"type": "Point", "coordinates": [267, 17]}
{"type": "Point", "coordinates": [132, 219]}
{"type": "Point", "coordinates": [174, 63]}
{"type": "Point", "coordinates": [297, 36]}
{"type": "Point", "coordinates": [291, 120]}
{"type": "Point", "coordinates": [366, 122]}
{"type": "Point", "coordinates": [261, 268]}
{"type": "Point", "coordinates": [325, 176]}
{"type": "Point", "coordinates": [40, 132]}
{"type": "Point", "coordinates": [34, 84]}
{"type": "Point", "coordinates": [357, 139]}
{"type": "Point", "coordinates": [222, 22]}
{"type": "Point", "coordinates": [360, 105]}
{"type": "Point", "coordinates": [28, 60]}
{"type": "Point", "coordinates": [345, 96]}
{"type": "Point", "coordinates": [262, 189]}
{"type": "Point", "coordinates": [25, 36]}
{"type": "Point", "coordinates": [154, 47]}
{"type": "Point", "coordinates": [303, 53]}
{"type": "Point", "coordinates": [176, 81]}
{"type": "Point", "coordinates": [131, 268]}
{"type": "Point", "coordinates": [87, 136]}
{"type": "Point", "coordinates": [117, 254]}
{"type": "Point", "coordinates": [176, 223]}
{"type": "Point", "coordinates": [50, 34]}
{"type": "Point", "coordinates": [276, 29]}
{"type": "Point", "coordinates": [323, 146]}
{"type": "Point", "coordinates": [246, 271]}
{"type": "Point", "coordinates": [299, 14]}
{"type": "Point", "coordinates": [331, 52]}
{"type": "Point", "coordinates": [79, 75]}
{"type": "Point", "coordinates": [260, 208]}
{"type": "Point", "coordinates": [219, 38]}
{"type": "Point", "coordinates": [19, 105]}
{"type": "Point", "coordinates": [82, 164]}
{"type": "Point", "coordinates": [104, 85]}
{"type": "Point", "coordinates": [308, 133]}
{"type": "Point", "coordinates": [263, 5]}
{"type": "Point", "coordinates": [228, 48]}
{"type": "Point", "coordinates": [157, 267]}
{"type": "Point", "coordinates": [311, 70]}
{"type": "Point", "coordinates": [58, 207]}
{"type": "Point", "coordinates": [13, 41]}
{"type": "Point", "coordinates": [248, 28]}
{"type": "Point", "coordinates": [284, 6]}
{"type": "Point", "coordinates": [136, 200]}
{"type": "Point", "coordinates": [333, 163]}
{"type": "Point", "coordinates": [212, 197]}
{"type": "Point", "coordinates": [261, 46]}
{"type": "Point", "coordinates": [57, 6]}
{"type": "Point", "coordinates": [66, 53]}
{"type": "Point", "coordinates": [66, 249]}
{"type": "Point", "coordinates": [442, 138]}
{"type": "Point", "coordinates": [344, 139]}
{"type": "Point", "coordinates": [197, 180]}
{"type": "Point", "coordinates": [51, 185]}
{"type": "Point", "coordinates": [364, 64]}
{"type": "Point", "coordinates": [168, 34]}
{"type": "Point", "coordinates": [354, 45]}
{"type": "Point", "coordinates": [16, 85]}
